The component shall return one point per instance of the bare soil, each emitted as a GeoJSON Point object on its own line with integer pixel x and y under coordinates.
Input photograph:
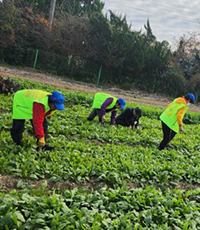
{"type": "Point", "coordinates": [9, 182]}
{"type": "Point", "coordinates": [135, 95]}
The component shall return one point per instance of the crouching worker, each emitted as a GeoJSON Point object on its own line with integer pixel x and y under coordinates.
{"type": "Point", "coordinates": [130, 118]}
{"type": "Point", "coordinates": [172, 118]}
{"type": "Point", "coordinates": [104, 103]}
{"type": "Point", "coordinates": [34, 105]}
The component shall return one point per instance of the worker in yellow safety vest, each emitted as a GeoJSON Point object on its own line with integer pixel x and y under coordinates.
{"type": "Point", "coordinates": [172, 118]}
{"type": "Point", "coordinates": [104, 103]}
{"type": "Point", "coordinates": [34, 105]}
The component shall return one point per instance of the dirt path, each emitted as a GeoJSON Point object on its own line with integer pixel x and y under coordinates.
{"type": "Point", "coordinates": [68, 84]}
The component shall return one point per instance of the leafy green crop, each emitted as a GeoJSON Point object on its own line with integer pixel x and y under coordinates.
{"type": "Point", "coordinates": [142, 187]}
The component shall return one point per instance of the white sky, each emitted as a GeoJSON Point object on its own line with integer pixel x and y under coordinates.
{"type": "Point", "coordinates": [169, 19]}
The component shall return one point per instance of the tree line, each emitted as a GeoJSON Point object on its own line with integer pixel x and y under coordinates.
{"type": "Point", "coordinates": [83, 40]}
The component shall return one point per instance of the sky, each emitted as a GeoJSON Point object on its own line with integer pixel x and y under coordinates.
{"type": "Point", "coordinates": [169, 19]}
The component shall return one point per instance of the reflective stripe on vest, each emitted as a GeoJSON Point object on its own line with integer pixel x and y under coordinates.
{"type": "Point", "coordinates": [169, 116]}
{"type": "Point", "coordinates": [23, 102]}
{"type": "Point", "coordinates": [99, 99]}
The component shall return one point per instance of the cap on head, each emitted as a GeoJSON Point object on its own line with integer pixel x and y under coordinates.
{"type": "Point", "coordinates": [58, 100]}
{"type": "Point", "coordinates": [191, 97]}
{"type": "Point", "coordinates": [138, 111]}
{"type": "Point", "coordinates": [122, 102]}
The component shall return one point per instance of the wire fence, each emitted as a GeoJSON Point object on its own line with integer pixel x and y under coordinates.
{"type": "Point", "coordinates": [92, 72]}
{"type": "Point", "coordinates": [72, 67]}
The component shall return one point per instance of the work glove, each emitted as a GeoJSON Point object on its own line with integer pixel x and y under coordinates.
{"type": "Point", "coordinates": [103, 118]}
{"type": "Point", "coordinates": [180, 128]}
{"type": "Point", "coordinates": [41, 142]}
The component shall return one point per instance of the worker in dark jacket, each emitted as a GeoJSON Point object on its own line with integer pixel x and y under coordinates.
{"type": "Point", "coordinates": [172, 118]}
{"type": "Point", "coordinates": [130, 118]}
{"type": "Point", "coordinates": [104, 103]}
{"type": "Point", "coordinates": [34, 105]}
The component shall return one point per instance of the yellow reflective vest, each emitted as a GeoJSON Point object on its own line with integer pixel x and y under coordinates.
{"type": "Point", "coordinates": [23, 102]}
{"type": "Point", "coordinates": [99, 99]}
{"type": "Point", "coordinates": [169, 116]}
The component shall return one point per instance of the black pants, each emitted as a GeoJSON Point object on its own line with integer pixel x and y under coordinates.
{"type": "Point", "coordinates": [18, 129]}
{"type": "Point", "coordinates": [168, 135]}
{"type": "Point", "coordinates": [94, 113]}
{"type": "Point", "coordinates": [121, 122]}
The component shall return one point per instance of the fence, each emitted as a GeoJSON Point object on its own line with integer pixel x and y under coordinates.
{"type": "Point", "coordinates": [90, 71]}
{"type": "Point", "coordinates": [72, 67]}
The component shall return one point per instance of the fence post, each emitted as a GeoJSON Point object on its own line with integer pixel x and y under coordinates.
{"type": "Point", "coordinates": [36, 57]}
{"type": "Point", "coordinates": [175, 93]}
{"type": "Point", "coordinates": [69, 59]}
{"type": "Point", "coordinates": [154, 85]}
{"type": "Point", "coordinates": [99, 75]}
{"type": "Point", "coordinates": [197, 96]}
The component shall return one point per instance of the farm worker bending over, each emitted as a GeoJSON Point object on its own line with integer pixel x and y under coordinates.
{"type": "Point", "coordinates": [34, 105]}
{"type": "Point", "coordinates": [172, 118]}
{"type": "Point", "coordinates": [104, 103]}
{"type": "Point", "coordinates": [129, 118]}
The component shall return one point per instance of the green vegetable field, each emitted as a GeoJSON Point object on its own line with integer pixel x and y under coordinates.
{"type": "Point", "coordinates": [99, 176]}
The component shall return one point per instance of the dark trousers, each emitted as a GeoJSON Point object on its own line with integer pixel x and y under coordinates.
{"type": "Point", "coordinates": [94, 113]}
{"type": "Point", "coordinates": [18, 129]}
{"type": "Point", "coordinates": [121, 122]}
{"type": "Point", "coordinates": [168, 135]}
